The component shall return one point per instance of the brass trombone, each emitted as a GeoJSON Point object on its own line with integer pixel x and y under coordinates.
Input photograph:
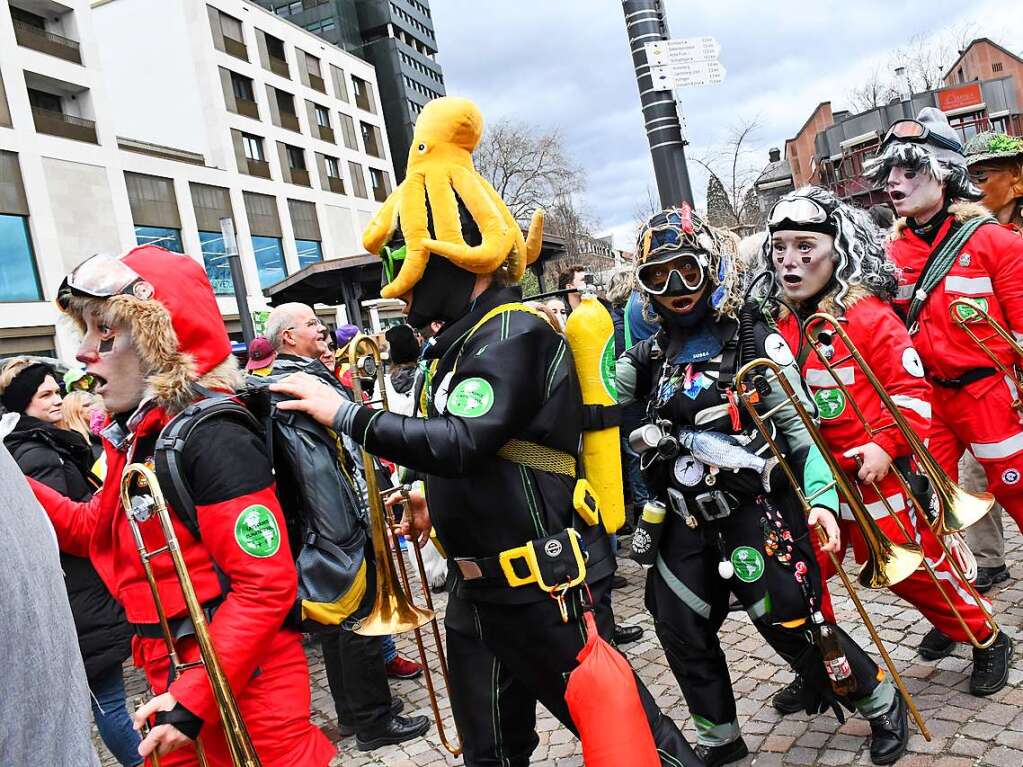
{"type": "Point", "coordinates": [142, 497]}
{"type": "Point", "coordinates": [967, 313]}
{"type": "Point", "coordinates": [888, 562]}
{"type": "Point", "coordinates": [393, 611]}
{"type": "Point", "coordinates": [954, 502]}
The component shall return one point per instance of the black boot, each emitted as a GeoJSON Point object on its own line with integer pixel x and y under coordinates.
{"type": "Point", "coordinates": [397, 730]}
{"type": "Point", "coordinates": [987, 577]}
{"type": "Point", "coordinates": [889, 733]}
{"type": "Point", "coordinates": [935, 645]}
{"type": "Point", "coordinates": [625, 634]}
{"type": "Point", "coordinates": [347, 730]}
{"type": "Point", "coordinates": [789, 700]}
{"type": "Point", "coordinates": [714, 756]}
{"type": "Point", "coordinates": [991, 666]}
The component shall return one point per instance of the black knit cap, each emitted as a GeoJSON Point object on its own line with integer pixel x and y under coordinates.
{"type": "Point", "coordinates": [19, 393]}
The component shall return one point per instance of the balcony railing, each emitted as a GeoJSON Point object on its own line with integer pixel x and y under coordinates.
{"type": "Point", "coordinates": [47, 42]}
{"type": "Point", "coordinates": [290, 121]}
{"type": "Point", "coordinates": [316, 83]}
{"type": "Point", "coordinates": [236, 48]}
{"type": "Point", "coordinates": [336, 184]}
{"type": "Point", "coordinates": [326, 133]}
{"type": "Point", "coordinates": [279, 66]}
{"type": "Point", "coordinates": [259, 168]}
{"type": "Point", "coordinates": [300, 176]}
{"type": "Point", "coordinates": [247, 108]}
{"type": "Point", "coordinates": [67, 126]}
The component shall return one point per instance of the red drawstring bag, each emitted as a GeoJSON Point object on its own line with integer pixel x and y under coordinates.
{"type": "Point", "coordinates": [604, 702]}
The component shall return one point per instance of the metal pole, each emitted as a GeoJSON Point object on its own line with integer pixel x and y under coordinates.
{"type": "Point", "coordinates": [645, 22]}
{"type": "Point", "coordinates": [237, 279]}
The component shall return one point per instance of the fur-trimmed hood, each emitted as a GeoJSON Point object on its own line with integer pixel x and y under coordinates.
{"type": "Point", "coordinates": [963, 212]}
{"type": "Point", "coordinates": [178, 333]}
{"type": "Point", "coordinates": [828, 304]}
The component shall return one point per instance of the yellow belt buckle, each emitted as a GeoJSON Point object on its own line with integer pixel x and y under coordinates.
{"type": "Point", "coordinates": [586, 502]}
{"type": "Point", "coordinates": [509, 556]}
{"type": "Point", "coordinates": [573, 540]}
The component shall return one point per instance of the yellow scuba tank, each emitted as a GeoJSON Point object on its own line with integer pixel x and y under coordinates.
{"type": "Point", "coordinates": [590, 334]}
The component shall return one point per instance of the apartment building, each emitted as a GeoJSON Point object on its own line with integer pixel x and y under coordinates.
{"type": "Point", "coordinates": [111, 136]}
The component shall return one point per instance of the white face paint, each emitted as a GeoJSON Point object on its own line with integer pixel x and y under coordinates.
{"type": "Point", "coordinates": [915, 194]}
{"type": "Point", "coordinates": [110, 357]}
{"type": "Point", "coordinates": [803, 262]}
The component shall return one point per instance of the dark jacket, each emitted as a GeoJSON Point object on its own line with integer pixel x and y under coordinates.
{"type": "Point", "coordinates": [60, 459]}
{"type": "Point", "coordinates": [513, 378]}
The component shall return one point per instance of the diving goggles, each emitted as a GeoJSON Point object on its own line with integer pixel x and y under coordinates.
{"type": "Point", "coordinates": [102, 276]}
{"type": "Point", "coordinates": [799, 213]}
{"type": "Point", "coordinates": [691, 269]}
{"type": "Point", "coordinates": [918, 133]}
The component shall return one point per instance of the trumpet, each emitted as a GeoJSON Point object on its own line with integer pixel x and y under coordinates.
{"type": "Point", "coordinates": [968, 313]}
{"type": "Point", "coordinates": [393, 610]}
{"type": "Point", "coordinates": [142, 497]}
{"type": "Point", "coordinates": [957, 508]}
{"type": "Point", "coordinates": [888, 562]}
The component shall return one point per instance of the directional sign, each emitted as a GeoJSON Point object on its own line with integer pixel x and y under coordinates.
{"type": "Point", "coordinates": [688, 75]}
{"type": "Point", "coordinates": [665, 52]}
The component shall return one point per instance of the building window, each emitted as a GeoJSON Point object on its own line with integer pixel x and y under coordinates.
{"type": "Point", "coordinates": [165, 237]}
{"type": "Point", "coordinates": [44, 100]}
{"type": "Point", "coordinates": [381, 184]}
{"type": "Point", "coordinates": [242, 87]}
{"type": "Point", "coordinates": [19, 280]}
{"type": "Point", "coordinates": [358, 180]}
{"type": "Point", "coordinates": [275, 48]}
{"type": "Point", "coordinates": [269, 260]}
{"type": "Point", "coordinates": [309, 252]}
{"type": "Point", "coordinates": [218, 269]}
{"type": "Point", "coordinates": [996, 67]}
{"type": "Point", "coordinates": [333, 171]}
{"type": "Point", "coordinates": [322, 116]}
{"type": "Point", "coordinates": [371, 140]}
{"type": "Point", "coordinates": [296, 157]}
{"type": "Point", "coordinates": [348, 132]}
{"type": "Point", "coordinates": [253, 147]}
{"type": "Point", "coordinates": [288, 9]}
{"type": "Point", "coordinates": [363, 94]}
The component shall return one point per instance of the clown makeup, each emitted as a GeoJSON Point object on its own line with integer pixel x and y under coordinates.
{"type": "Point", "coordinates": [803, 262]}
{"type": "Point", "coordinates": [1002, 184]}
{"type": "Point", "coordinates": [915, 193]}
{"type": "Point", "coordinates": [110, 358]}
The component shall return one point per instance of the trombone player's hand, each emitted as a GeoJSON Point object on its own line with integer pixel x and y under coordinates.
{"type": "Point", "coordinates": [162, 738]}
{"type": "Point", "coordinates": [823, 517]}
{"type": "Point", "coordinates": [873, 461]}
{"type": "Point", "coordinates": [415, 522]}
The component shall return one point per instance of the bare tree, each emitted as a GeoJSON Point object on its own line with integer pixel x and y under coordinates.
{"type": "Point", "coordinates": [732, 171]}
{"type": "Point", "coordinates": [528, 167]}
{"type": "Point", "coordinates": [876, 90]}
{"type": "Point", "coordinates": [924, 59]}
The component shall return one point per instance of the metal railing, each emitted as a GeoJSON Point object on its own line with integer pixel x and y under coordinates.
{"type": "Point", "coordinates": [47, 42]}
{"type": "Point", "coordinates": [299, 176]}
{"type": "Point", "coordinates": [247, 107]}
{"type": "Point", "coordinates": [259, 168]}
{"type": "Point", "coordinates": [336, 184]}
{"type": "Point", "coordinates": [279, 66]}
{"type": "Point", "coordinates": [236, 48]}
{"type": "Point", "coordinates": [289, 120]}
{"type": "Point", "coordinates": [316, 83]}
{"type": "Point", "coordinates": [67, 126]}
{"type": "Point", "coordinates": [326, 133]}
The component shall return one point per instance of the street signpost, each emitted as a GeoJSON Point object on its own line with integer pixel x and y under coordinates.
{"type": "Point", "coordinates": [685, 62]}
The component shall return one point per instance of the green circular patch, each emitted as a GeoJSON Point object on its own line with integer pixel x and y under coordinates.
{"type": "Point", "coordinates": [967, 313]}
{"type": "Point", "coordinates": [256, 532]}
{"type": "Point", "coordinates": [472, 398]}
{"type": "Point", "coordinates": [830, 403]}
{"type": "Point", "coordinates": [748, 564]}
{"type": "Point", "coordinates": [607, 368]}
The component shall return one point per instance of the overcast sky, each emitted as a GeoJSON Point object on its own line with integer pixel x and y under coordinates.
{"type": "Point", "coordinates": [565, 65]}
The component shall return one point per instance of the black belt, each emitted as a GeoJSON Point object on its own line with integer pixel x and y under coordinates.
{"type": "Point", "coordinates": [488, 571]}
{"type": "Point", "coordinates": [180, 627]}
{"type": "Point", "coordinates": [970, 376]}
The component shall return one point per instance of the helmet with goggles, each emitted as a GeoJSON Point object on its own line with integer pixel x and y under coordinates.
{"type": "Point", "coordinates": [673, 252]}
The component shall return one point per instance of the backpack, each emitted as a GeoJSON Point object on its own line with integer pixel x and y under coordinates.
{"type": "Point", "coordinates": [327, 541]}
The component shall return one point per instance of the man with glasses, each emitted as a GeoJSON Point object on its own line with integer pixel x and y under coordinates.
{"type": "Point", "coordinates": [948, 248]}
{"type": "Point", "coordinates": [356, 669]}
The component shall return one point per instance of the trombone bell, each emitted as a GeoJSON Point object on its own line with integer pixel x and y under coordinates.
{"type": "Point", "coordinates": [889, 563]}
{"type": "Point", "coordinates": [960, 509]}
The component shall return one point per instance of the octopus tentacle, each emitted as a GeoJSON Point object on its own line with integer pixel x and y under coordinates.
{"type": "Point", "coordinates": [498, 237]}
{"type": "Point", "coordinates": [534, 240]}
{"type": "Point", "coordinates": [443, 206]}
{"type": "Point", "coordinates": [381, 228]}
{"type": "Point", "coordinates": [412, 211]}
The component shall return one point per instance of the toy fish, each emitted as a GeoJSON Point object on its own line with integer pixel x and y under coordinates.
{"type": "Point", "coordinates": [723, 451]}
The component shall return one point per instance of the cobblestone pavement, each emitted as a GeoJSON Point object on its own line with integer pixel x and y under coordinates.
{"type": "Point", "coordinates": [965, 730]}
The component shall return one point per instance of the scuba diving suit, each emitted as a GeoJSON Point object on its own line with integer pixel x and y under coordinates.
{"type": "Point", "coordinates": [498, 454]}
{"type": "Point", "coordinates": [720, 522]}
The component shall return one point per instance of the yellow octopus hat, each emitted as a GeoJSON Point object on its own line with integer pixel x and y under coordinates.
{"type": "Point", "coordinates": [440, 168]}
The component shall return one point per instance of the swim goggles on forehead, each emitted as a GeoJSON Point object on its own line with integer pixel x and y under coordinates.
{"type": "Point", "coordinates": [918, 133]}
{"type": "Point", "coordinates": [102, 276]}
{"type": "Point", "coordinates": [801, 214]}
{"type": "Point", "coordinates": [690, 268]}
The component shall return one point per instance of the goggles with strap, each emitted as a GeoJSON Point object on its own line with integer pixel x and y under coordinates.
{"type": "Point", "coordinates": [801, 214]}
{"type": "Point", "coordinates": [690, 268]}
{"type": "Point", "coordinates": [916, 132]}
{"type": "Point", "coordinates": [102, 276]}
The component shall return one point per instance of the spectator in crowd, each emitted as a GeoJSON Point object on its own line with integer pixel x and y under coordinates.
{"type": "Point", "coordinates": [403, 345]}
{"type": "Point", "coordinates": [261, 356]}
{"type": "Point", "coordinates": [62, 459]}
{"type": "Point", "coordinates": [37, 726]}
{"type": "Point", "coordinates": [83, 414]}
{"type": "Point", "coordinates": [575, 278]}
{"type": "Point", "coordinates": [557, 308]}
{"type": "Point", "coordinates": [356, 665]}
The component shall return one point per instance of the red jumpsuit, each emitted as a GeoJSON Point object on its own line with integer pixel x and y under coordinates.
{"type": "Point", "coordinates": [884, 342]}
{"type": "Point", "coordinates": [979, 416]}
{"type": "Point", "coordinates": [264, 663]}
